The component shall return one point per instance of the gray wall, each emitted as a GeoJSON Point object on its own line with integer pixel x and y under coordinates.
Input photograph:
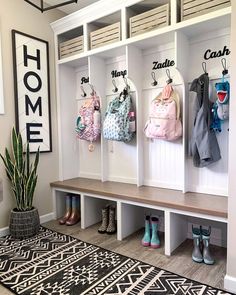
{"type": "Point", "coordinates": [18, 15]}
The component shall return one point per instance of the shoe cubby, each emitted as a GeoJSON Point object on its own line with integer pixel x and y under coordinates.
{"type": "Point", "coordinates": [105, 30]}
{"type": "Point", "coordinates": [132, 219]}
{"type": "Point", "coordinates": [147, 15]}
{"type": "Point", "coordinates": [71, 42]}
{"type": "Point", "coordinates": [92, 209]}
{"type": "Point", "coordinates": [59, 200]}
{"type": "Point", "coordinates": [179, 228]}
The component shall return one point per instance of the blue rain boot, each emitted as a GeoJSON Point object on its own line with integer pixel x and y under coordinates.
{"type": "Point", "coordinates": [147, 236]}
{"type": "Point", "coordinates": [207, 258]}
{"type": "Point", "coordinates": [155, 241]}
{"type": "Point", "coordinates": [197, 254]}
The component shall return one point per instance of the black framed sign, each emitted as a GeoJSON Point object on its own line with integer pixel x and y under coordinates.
{"type": "Point", "coordinates": [32, 90]}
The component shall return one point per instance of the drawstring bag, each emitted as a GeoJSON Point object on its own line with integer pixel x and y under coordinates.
{"type": "Point", "coordinates": [116, 125]}
{"type": "Point", "coordinates": [221, 106]}
{"type": "Point", "coordinates": [88, 125]}
{"type": "Point", "coordinates": [164, 119]}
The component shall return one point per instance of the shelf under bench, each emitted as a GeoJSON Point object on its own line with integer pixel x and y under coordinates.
{"type": "Point", "coordinates": [191, 202]}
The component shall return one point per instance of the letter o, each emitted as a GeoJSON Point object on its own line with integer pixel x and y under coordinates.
{"type": "Point", "coordinates": [31, 73]}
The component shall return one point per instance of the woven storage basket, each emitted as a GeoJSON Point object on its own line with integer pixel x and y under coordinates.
{"type": "Point", "coordinates": [104, 36]}
{"type": "Point", "coordinates": [150, 20]}
{"type": "Point", "coordinates": [193, 8]}
{"type": "Point", "coordinates": [71, 47]}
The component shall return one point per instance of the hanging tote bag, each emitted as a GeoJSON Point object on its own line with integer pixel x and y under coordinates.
{"type": "Point", "coordinates": [164, 119]}
{"type": "Point", "coordinates": [88, 125]}
{"type": "Point", "coordinates": [116, 125]}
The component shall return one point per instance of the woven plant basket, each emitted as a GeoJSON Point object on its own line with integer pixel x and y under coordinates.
{"type": "Point", "coordinates": [24, 224]}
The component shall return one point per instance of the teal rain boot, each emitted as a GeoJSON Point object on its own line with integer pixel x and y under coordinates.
{"type": "Point", "coordinates": [207, 258]}
{"type": "Point", "coordinates": [155, 241]}
{"type": "Point", "coordinates": [196, 254]}
{"type": "Point", "coordinates": [147, 235]}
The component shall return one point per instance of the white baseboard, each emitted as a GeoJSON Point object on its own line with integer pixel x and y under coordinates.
{"type": "Point", "coordinates": [4, 231]}
{"type": "Point", "coordinates": [47, 217]}
{"type": "Point", "coordinates": [230, 283]}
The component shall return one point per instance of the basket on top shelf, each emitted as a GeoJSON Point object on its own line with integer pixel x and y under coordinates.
{"type": "Point", "coordinates": [150, 20]}
{"type": "Point", "coordinates": [106, 35]}
{"type": "Point", "coordinates": [71, 47]}
{"type": "Point", "coordinates": [193, 8]}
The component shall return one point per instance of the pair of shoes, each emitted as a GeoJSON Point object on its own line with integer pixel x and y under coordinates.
{"type": "Point", "coordinates": [108, 220]}
{"type": "Point", "coordinates": [72, 215]}
{"type": "Point", "coordinates": [151, 237]}
{"type": "Point", "coordinates": [201, 242]}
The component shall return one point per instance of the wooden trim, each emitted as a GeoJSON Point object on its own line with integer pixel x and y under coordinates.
{"type": "Point", "coordinates": [191, 202]}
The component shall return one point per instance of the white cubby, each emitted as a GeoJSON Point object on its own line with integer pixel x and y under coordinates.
{"type": "Point", "coordinates": [142, 7]}
{"type": "Point", "coordinates": [142, 162]}
{"type": "Point", "coordinates": [69, 35]}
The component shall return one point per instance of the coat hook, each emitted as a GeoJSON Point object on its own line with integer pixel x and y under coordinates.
{"type": "Point", "coordinates": [169, 77]}
{"type": "Point", "coordinates": [115, 87]}
{"type": "Point", "coordinates": [126, 82]}
{"type": "Point", "coordinates": [84, 93]}
{"type": "Point", "coordinates": [92, 88]}
{"type": "Point", "coordinates": [204, 67]}
{"type": "Point", "coordinates": [224, 65]}
{"type": "Point", "coordinates": [154, 83]}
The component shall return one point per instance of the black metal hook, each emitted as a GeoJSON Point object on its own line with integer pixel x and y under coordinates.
{"type": "Point", "coordinates": [224, 65]}
{"type": "Point", "coordinates": [84, 93]}
{"type": "Point", "coordinates": [126, 83]}
{"type": "Point", "coordinates": [170, 80]}
{"type": "Point", "coordinates": [92, 88]}
{"type": "Point", "coordinates": [154, 83]}
{"type": "Point", "coordinates": [204, 67]}
{"type": "Point", "coordinates": [115, 87]}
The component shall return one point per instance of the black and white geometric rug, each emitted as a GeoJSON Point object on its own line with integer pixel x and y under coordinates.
{"type": "Point", "coordinates": [58, 264]}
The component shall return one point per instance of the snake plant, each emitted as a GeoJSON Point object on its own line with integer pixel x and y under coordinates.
{"type": "Point", "coordinates": [21, 172]}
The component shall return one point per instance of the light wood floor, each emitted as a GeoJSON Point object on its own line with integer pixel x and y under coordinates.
{"type": "Point", "coordinates": [180, 262]}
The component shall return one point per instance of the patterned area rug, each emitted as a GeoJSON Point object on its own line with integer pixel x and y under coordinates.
{"type": "Point", "coordinates": [57, 264]}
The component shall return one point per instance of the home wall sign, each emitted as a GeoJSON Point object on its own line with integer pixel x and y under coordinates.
{"type": "Point", "coordinates": [32, 90]}
{"type": "Point", "coordinates": [160, 65]}
{"type": "Point", "coordinates": [213, 54]}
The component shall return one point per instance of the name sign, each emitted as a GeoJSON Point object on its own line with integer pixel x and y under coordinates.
{"type": "Point", "coordinates": [214, 54]}
{"type": "Point", "coordinates": [32, 97]}
{"type": "Point", "coordinates": [116, 74]}
{"type": "Point", "coordinates": [84, 80]}
{"type": "Point", "coordinates": [160, 65]}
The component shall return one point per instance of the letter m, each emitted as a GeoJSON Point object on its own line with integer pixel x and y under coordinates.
{"type": "Point", "coordinates": [29, 104]}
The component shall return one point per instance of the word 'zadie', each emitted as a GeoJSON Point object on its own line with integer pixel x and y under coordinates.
{"type": "Point", "coordinates": [160, 65]}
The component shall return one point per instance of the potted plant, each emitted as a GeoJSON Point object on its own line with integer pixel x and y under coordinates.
{"type": "Point", "coordinates": [24, 219]}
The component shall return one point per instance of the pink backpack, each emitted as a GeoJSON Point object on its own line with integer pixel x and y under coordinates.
{"type": "Point", "coordinates": [164, 119]}
{"type": "Point", "coordinates": [88, 121]}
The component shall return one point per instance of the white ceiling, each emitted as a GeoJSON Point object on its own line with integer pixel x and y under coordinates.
{"type": "Point", "coordinates": [69, 8]}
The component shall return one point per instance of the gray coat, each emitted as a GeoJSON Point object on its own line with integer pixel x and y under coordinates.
{"type": "Point", "coordinates": [203, 145]}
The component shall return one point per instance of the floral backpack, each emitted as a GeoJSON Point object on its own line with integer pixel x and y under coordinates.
{"type": "Point", "coordinates": [88, 125]}
{"type": "Point", "coordinates": [117, 121]}
{"type": "Point", "coordinates": [164, 119]}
